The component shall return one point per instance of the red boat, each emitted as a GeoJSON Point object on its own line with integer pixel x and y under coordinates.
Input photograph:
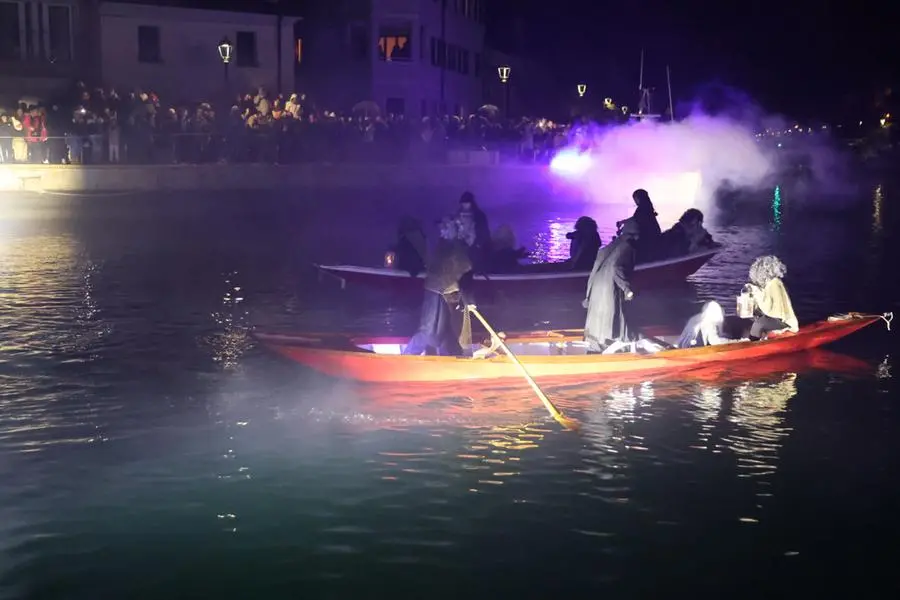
{"type": "Point", "coordinates": [424, 393]}
{"type": "Point", "coordinates": [530, 278]}
{"type": "Point", "coordinates": [549, 356]}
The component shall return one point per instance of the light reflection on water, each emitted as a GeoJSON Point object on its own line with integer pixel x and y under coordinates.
{"type": "Point", "coordinates": [552, 245]}
{"type": "Point", "coordinates": [135, 407]}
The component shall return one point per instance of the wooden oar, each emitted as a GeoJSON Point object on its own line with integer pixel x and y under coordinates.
{"type": "Point", "coordinates": [496, 339]}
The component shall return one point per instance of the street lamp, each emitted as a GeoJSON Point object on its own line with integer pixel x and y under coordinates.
{"type": "Point", "coordinates": [226, 50]}
{"type": "Point", "coordinates": [504, 72]}
{"type": "Point", "coordinates": [582, 88]}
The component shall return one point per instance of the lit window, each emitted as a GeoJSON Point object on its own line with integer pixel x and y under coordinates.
{"type": "Point", "coordinates": [394, 47]}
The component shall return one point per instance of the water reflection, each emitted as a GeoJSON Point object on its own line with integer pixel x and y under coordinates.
{"type": "Point", "coordinates": [232, 338]}
{"type": "Point", "coordinates": [758, 415]}
{"type": "Point", "coordinates": [884, 368]}
{"type": "Point", "coordinates": [707, 408]}
{"type": "Point", "coordinates": [90, 328]}
{"type": "Point", "coordinates": [36, 287]}
{"type": "Point", "coordinates": [877, 203]}
{"type": "Point", "coordinates": [776, 208]}
{"type": "Point", "coordinates": [551, 244]}
{"type": "Point", "coordinates": [606, 424]}
{"type": "Point", "coordinates": [494, 454]}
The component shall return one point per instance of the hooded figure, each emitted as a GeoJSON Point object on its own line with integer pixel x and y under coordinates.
{"type": "Point", "coordinates": [584, 245]}
{"type": "Point", "coordinates": [481, 245]}
{"type": "Point", "coordinates": [705, 328]}
{"type": "Point", "coordinates": [444, 290]}
{"type": "Point", "coordinates": [608, 289]}
{"type": "Point", "coordinates": [648, 227]}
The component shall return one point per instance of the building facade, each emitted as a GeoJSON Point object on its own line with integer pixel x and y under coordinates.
{"type": "Point", "coordinates": [410, 57]}
{"type": "Point", "coordinates": [44, 45]}
{"type": "Point", "coordinates": [174, 51]}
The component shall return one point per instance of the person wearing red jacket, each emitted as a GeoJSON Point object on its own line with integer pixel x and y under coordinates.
{"type": "Point", "coordinates": [36, 135]}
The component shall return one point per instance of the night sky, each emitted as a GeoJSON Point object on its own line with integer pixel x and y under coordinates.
{"type": "Point", "coordinates": [795, 57]}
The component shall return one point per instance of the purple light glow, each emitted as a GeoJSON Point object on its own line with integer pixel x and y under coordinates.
{"type": "Point", "coordinates": [571, 162]}
{"type": "Point", "coordinates": [680, 164]}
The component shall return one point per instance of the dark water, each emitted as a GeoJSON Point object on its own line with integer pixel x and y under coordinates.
{"type": "Point", "coordinates": [149, 450]}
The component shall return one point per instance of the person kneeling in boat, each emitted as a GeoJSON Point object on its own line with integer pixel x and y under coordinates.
{"type": "Point", "coordinates": [584, 244]}
{"type": "Point", "coordinates": [774, 312]}
{"type": "Point", "coordinates": [505, 256]}
{"type": "Point", "coordinates": [445, 276]}
{"type": "Point", "coordinates": [607, 291]}
{"type": "Point", "coordinates": [705, 328]}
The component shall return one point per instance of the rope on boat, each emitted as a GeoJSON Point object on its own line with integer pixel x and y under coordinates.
{"type": "Point", "coordinates": [886, 317]}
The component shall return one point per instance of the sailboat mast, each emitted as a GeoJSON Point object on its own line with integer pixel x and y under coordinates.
{"type": "Point", "coordinates": [641, 79]}
{"type": "Point", "coordinates": [669, 81]}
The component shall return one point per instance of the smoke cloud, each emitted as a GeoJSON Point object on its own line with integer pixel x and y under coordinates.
{"type": "Point", "coordinates": [684, 164]}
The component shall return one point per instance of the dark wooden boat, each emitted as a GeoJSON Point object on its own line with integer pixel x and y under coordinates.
{"type": "Point", "coordinates": [549, 356]}
{"type": "Point", "coordinates": [528, 279]}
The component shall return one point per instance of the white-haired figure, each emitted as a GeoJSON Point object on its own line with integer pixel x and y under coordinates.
{"type": "Point", "coordinates": [705, 328]}
{"type": "Point", "coordinates": [445, 290]}
{"type": "Point", "coordinates": [774, 311]}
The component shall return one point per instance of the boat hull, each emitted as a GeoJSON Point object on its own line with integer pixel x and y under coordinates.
{"type": "Point", "coordinates": [506, 396]}
{"type": "Point", "coordinates": [341, 357]}
{"type": "Point", "coordinates": [531, 279]}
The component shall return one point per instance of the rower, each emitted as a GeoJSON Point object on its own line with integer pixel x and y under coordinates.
{"type": "Point", "coordinates": [444, 291]}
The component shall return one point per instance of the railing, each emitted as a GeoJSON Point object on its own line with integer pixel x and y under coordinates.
{"type": "Point", "coordinates": [258, 147]}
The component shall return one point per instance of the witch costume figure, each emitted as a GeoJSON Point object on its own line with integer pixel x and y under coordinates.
{"type": "Point", "coordinates": [608, 289]}
{"type": "Point", "coordinates": [705, 328]}
{"type": "Point", "coordinates": [445, 293]}
{"type": "Point", "coordinates": [648, 226]}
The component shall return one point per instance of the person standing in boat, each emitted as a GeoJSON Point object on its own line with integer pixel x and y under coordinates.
{"type": "Point", "coordinates": [584, 244]}
{"type": "Point", "coordinates": [469, 211]}
{"type": "Point", "coordinates": [445, 290]}
{"type": "Point", "coordinates": [774, 311]}
{"type": "Point", "coordinates": [648, 226]}
{"type": "Point", "coordinates": [608, 289]}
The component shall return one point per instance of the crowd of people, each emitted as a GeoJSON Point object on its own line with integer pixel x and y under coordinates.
{"type": "Point", "coordinates": [103, 126]}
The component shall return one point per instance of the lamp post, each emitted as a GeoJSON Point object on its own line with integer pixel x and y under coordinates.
{"type": "Point", "coordinates": [504, 72]}
{"type": "Point", "coordinates": [582, 89]}
{"type": "Point", "coordinates": [226, 49]}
